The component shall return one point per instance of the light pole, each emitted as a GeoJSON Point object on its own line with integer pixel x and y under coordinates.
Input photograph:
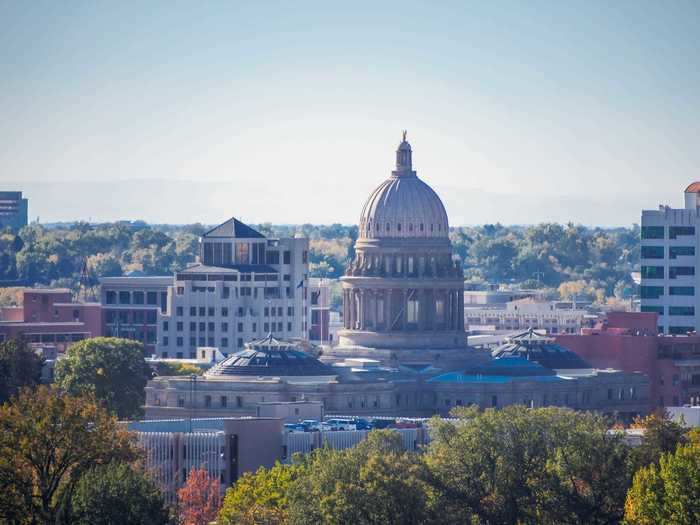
{"type": "Point", "coordinates": [193, 392]}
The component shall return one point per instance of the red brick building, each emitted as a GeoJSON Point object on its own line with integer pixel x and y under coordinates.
{"type": "Point", "coordinates": [629, 341]}
{"type": "Point", "coordinates": [50, 317]}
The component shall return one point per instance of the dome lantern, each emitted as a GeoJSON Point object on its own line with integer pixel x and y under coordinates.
{"type": "Point", "coordinates": [404, 163]}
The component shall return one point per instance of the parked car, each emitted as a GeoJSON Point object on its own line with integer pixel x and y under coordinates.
{"type": "Point", "coordinates": [311, 425]}
{"type": "Point", "coordinates": [339, 424]}
{"type": "Point", "coordinates": [362, 424]}
{"type": "Point", "coordinates": [383, 423]}
{"type": "Point", "coordinates": [293, 427]}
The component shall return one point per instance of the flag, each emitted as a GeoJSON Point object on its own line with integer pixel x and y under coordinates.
{"type": "Point", "coordinates": [301, 283]}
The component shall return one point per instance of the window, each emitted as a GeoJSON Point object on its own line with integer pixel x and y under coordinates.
{"type": "Point", "coordinates": [287, 257]}
{"type": "Point", "coordinates": [151, 316]}
{"type": "Point", "coordinates": [652, 232]}
{"type": "Point", "coordinates": [676, 271]}
{"type": "Point", "coordinates": [224, 342]}
{"type": "Point", "coordinates": [657, 309]}
{"type": "Point", "coordinates": [273, 311]}
{"type": "Point", "coordinates": [207, 401]}
{"type": "Point", "coordinates": [224, 327]}
{"type": "Point", "coordinates": [239, 401]}
{"type": "Point", "coordinates": [179, 341]}
{"type": "Point", "coordinates": [180, 290]}
{"type": "Point", "coordinates": [181, 403]}
{"type": "Point", "coordinates": [679, 231]}
{"type": "Point", "coordinates": [266, 311]}
{"type": "Point", "coordinates": [494, 401]}
{"type": "Point", "coordinates": [290, 311]}
{"type": "Point", "coordinates": [242, 253]}
{"type": "Point", "coordinates": [138, 297]}
{"type": "Point", "coordinates": [124, 298]}
{"type": "Point", "coordinates": [289, 327]}
{"type": "Point", "coordinates": [652, 252]}
{"type": "Point", "coordinates": [279, 311]}
{"type": "Point", "coordinates": [239, 343]}
{"type": "Point", "coordinates": [151, 297]}
{"type": "Point", "coordinates": [678, 251]}
{"type": "Point", "coordinates": [681, 290]}
{"type": "Point", "coordinates": [111, 297]}
{"type": "Point", "coordinates": [652, 272]}
{"type": "Point", "coordinates": [240, 327]}
{"type": "Point", "coordinates": [412, 311]}
{"type": "Point", "coordinates": [224, 312]}
{"type": "Point", "coordinates": [178, 311]}
{"type": "Point", "coordinates": [210, 341]}
{"type": "Point", "coordinates": [193, 341]}
{"type": "Point", "coordinates": [202, 311]}
{"type": "Point", "coordinates": [279, 327]}
{"type": "Point", "coordinates": [272, 257]}
{"type": "Point", "coordinates": [202, 326]}
{"type": "Point", "coordinates": [179, 326]}
{"type": "Point", "coordinates": [225, 292]}
{"type": "Point", "coordinates": [165, 341]}
{"type": "Point", "coordinates": [193, 311]}
{"type": "Point", "coordinates": [210, 311]}
{"type": "Point", "coordinates": [681, 310]}
{"type": "Point", "coordinates": [652, 292]}
{"type": "Point", "coordinates": [266, 327]}
{"type": "Point", "coordinates": [223, 400]}
{"type": "Point", "coordinates": [211, 326]}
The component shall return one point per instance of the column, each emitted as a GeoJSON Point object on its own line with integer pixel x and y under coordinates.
{"type": "Point", "coordinates": [404, 309]}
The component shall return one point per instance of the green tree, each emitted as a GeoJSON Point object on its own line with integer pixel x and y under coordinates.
{"type": "Point", "coordinates": [372, 483]}
{"type": "Point", "coordinates": [111, 369]}
{"type": "Point", "coordinates": [19, 366]}
{"type": "Point", "coordinates": [48, 439]}
{"type": "Point", "coordinates": [260, 497]}
{"type": "Point", "coordinates": [117, 494]}
{"type": "Point", "coordinates": [668, 493]}
{"type": "Point", "coordinates": [521, 466]}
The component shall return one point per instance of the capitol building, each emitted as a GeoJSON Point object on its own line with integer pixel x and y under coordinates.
{"type": "Point", "coordinates": [402, 349]}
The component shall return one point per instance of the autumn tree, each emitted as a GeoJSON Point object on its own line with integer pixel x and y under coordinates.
{"type": "Point", "coordinates": [19, 366]}
{"type": "Point", "coordinates": [661, 435]}
{"type": "Point", "coordinates": [111, 369]}
{"type": "Point", "coordinates": [117, 493]}
{"type": "Point", "coordinates": [667, 493]}
{"type": "Point", "coordinates": [199, 499]}
{"type": "Point", "coordinates": [48, 439]}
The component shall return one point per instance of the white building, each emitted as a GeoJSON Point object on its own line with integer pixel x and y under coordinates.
{"type": "Point", "coordinates": [669, 248]}
{"type": "Point", "coordinates": [243, 287]}
{"type": "Point", "coordinates": [552, 316]}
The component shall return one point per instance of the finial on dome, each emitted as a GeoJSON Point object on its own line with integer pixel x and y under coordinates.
{"type": "Point", "coordinates": [403, 158]}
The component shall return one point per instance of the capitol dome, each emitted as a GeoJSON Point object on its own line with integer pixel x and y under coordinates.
{"type": "Point", "coordinates": [403, 206]}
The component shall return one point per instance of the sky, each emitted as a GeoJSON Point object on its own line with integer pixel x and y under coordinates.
{"type": "Point", "coordinates": [290, 112]}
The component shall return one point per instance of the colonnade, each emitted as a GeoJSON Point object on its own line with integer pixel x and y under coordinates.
{"type": "Point", "coordinates": [403, 309]}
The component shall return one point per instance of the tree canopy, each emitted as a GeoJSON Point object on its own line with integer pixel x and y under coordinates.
{"type": "Point", "coordinates": [48, 439]}
{"type": "Point", "coordinates": [117, 493]}
{"type": "Point", "coordinates": [111, 369]}
{"type": "Point", "coordinates": [20, 366]}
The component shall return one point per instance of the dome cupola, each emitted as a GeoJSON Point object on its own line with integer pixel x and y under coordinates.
{"type": "Point", "coordinates": [403, 206]}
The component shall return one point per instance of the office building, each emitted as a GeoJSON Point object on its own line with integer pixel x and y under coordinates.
{"type": "Point", "coordinates": [14, 210]}
{"type": "Point", "coordinates": [243, 287]}
{"type": "Point", "coordinates": [669, 280]}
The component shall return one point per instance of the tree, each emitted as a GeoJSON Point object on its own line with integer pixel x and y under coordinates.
{"type": "Point", "coordinates": [117, 493]}
{"type": "Point", "coordinates": [515, 465]}
{"type": "Point", "coordinates": [661, 435]}
{"type": "Point", "coordinates": [199, 500]}
{"type": "Point", "coordinates": [112, 369]}
{"type": "Point", "coordinates": [668, 493]}
{"type": "Point", "coordinates": [19, 366]}
{"type": "Point", "coordinates": [260, 497]}
{"type": "Point", "coordinates": [48, 439]}
{"type": "Point", "coordinates": [372, 483]}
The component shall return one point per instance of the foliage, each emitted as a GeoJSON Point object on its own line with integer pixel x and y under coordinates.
{"type": "Point", "coordinates": [11, 296]}
{"type": "Point", "coordinates": [199, 499]}
{"type": "Point", "coordinates": [166, 368]}
{"type": "Point", "coordinates": [668, 493]}
{"type": "Point", "coordinates": [544, 466]}
{"type": "Point", "coordinates": [48, 439]}
{"type": "Point", "coordinates": [543, 255]}
{"type": "Point", "coordinates": [117, 493]}
{"type": "Point", "coordinates": [111, 369]}
{"type": "Point", "coordinates": [661, 435]}
{"type": "Point", "coordinates": [19, 366]}
{"type": "Point", "coordinates": [261, 497]}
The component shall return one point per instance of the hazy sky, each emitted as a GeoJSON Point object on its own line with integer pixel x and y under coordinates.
{"type": "Point", "coordinates": [290, 112]}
